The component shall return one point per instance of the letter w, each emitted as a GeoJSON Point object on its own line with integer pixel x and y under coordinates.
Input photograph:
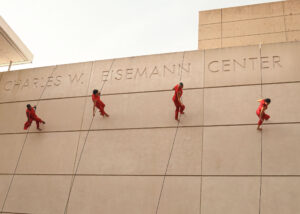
{"type": "Point", "coordinates": [75, 77]}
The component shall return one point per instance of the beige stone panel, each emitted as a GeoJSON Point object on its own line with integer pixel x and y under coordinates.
{"type": "Point", "coordinates": [193, 77]}
{"type": "Point", "coordinates": [231, 105]}
{"type": "Point", "coordinates": [280, 195]}
{"type": "Point", "coordinates": [232, 66]}
{"type": "Point", "coordinates": [254, 39]}
{"type": "Point", "coordinates": [256, 11]}
{"type": "Point", "coordinates": [101, 71]}
{"type": "Point", "coordinates": [61, 114]}
{"type": "Point", "coordinates": [180, 195]}
{"type": "Point", "coordinates": [281, 149]}
{"type": "Point", "coordinates": [49, 153]}
{"type": "Point", "coordinates": [293, 36]}
{"type": "Point", "coordinates": [79, 151]}
{"type": "Point", "coordinates": [209, 44]}
{"type": "Point", "coordinates": [211, 31]}
{"type": "Point", "coordinates": [292, 22]}
{"type": "Point", "coordinates": [115, 194]}
{"type": "Point", "coordinates": [256, 26]}
{"type": "Point", "coordinates": [38, 194]}
{"type": "Point", "coordinates": [209, 17]}
{"type": "Point", "coordinates": [227, 195]}
{"type": "Point", "coordinates": [13, 117]}
{"type": "Point", "coordinates": [281, 62]}
{"type": "Point", "coordinates": [231, 150]}
{"type": "Point", "coordinates": [140, 110]}
{"type": "Point", "coordinates": [285, 105]}
{"type": "Point", "coordinates": [10, 149]}
{"type": "Point", "coordinates": [143, 73]}
{"type": "Point", "coordinates": [291, 7]}
{"type": "Point", "coordinates": [127, 152]}
{"type": "Point", "coordinates": [187, 152]}
{"type": "Point", "coordinates": [26, 84]}
{"type": "Point", "coordinates": [71, 80]}
{"type": "Point", "coordinates": [4, 185]}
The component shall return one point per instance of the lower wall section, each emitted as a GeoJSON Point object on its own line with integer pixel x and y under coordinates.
{"type": "Point", "coordinates": [49, 153]}
{"type": "Point", "coordinates": [143, 152]}
{"type": "Point", "coordinates": [38, 194]}
{"type": "Point", "coordinates": [141, 194]}
{"type": "Point", "coordinates": [4, 186]}
{"type": "Point", "coordinates": [10, 150]}
{"type": "Point", "coordinates": [228, 195]}
{"type": "Point", "coordinates": [280, 149]}
{"type": "Point", "coordinates": [114, 195]}
{"type": "Point", "coordinates": [231, 150]}
{"type": "Point", "coordinates": [218, 150]}
{"type": "Point", "coordinates": [180, 195]}
{"type": "Point", "coordinates": [135, 195]}
{"type": "Point", "coordinates": [280, 195]}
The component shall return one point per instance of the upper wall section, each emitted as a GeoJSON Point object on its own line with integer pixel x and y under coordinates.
{"type": "Point", "coordinates": [251, 65]}
{"type": "Point", "coordinates": [249, 25]}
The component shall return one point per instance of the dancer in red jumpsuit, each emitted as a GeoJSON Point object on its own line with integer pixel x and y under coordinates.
{"type": "Point", "coordinates": [98, 103]}
{"type": "Point", "coordinates": [177, 100]}
{"type": "Point", "coordinates": [260, 112]}
{"type": "Point", "coordinates": [31, 116]}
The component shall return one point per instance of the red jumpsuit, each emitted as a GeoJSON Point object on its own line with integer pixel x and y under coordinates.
{"type": "Point", "coordinates": [32, 116]}
{"type": "Point", "coordinates": [99, 104]}
{"type": "Point", "coordinates": [264, 115]}
{"type": "Point", "coordinates": [179, 107]}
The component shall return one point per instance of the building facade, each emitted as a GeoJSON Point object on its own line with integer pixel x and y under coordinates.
{"type": "Point", "coordinates": [140, 160]}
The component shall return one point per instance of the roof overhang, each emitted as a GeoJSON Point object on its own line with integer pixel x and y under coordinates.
{"type": "Point", "coordinates": [12, 49]}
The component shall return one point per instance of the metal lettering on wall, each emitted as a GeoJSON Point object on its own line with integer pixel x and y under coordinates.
{"type": "Point", "coordinates": [250, 63]}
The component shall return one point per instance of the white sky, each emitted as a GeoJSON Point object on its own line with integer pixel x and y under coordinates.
{"type": "Point", "coordinates": [68, 31]}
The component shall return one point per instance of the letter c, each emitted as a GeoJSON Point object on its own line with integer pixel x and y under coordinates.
{"type": "Point", "coordinates": [6, 84]}
{"type": "Point", "coordinates": [210, 64]}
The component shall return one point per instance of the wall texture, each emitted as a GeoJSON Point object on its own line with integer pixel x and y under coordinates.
{"type": "Point", "coordinates": [249, 25]}
{"type": "Point", "coordinates": [140, 160]}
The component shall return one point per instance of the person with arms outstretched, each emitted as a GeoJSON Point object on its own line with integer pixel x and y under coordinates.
{"type": "Point", "coordinates": [31, 116]}
{"type": "Point", "coordinates": [98, 103]}
{"type": "Point", "coordinates": [177, 100]}
{"type": "Point", "coordinates": [260, 112]}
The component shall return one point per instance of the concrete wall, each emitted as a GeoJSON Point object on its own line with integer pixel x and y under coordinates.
{"type": "Point", "coordinates": [249, 25]}
{"type": "Point", "coordinates": [140, 160]}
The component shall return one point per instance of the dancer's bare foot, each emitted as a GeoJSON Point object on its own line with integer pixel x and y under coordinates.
{"type": "Point", "coordinates": [259, 129]}
{"type": "Point", "coordinates": [39, 129]}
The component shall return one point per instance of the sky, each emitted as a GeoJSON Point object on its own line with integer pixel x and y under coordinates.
{"type": "Point", "coordinates": [69, 31]}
